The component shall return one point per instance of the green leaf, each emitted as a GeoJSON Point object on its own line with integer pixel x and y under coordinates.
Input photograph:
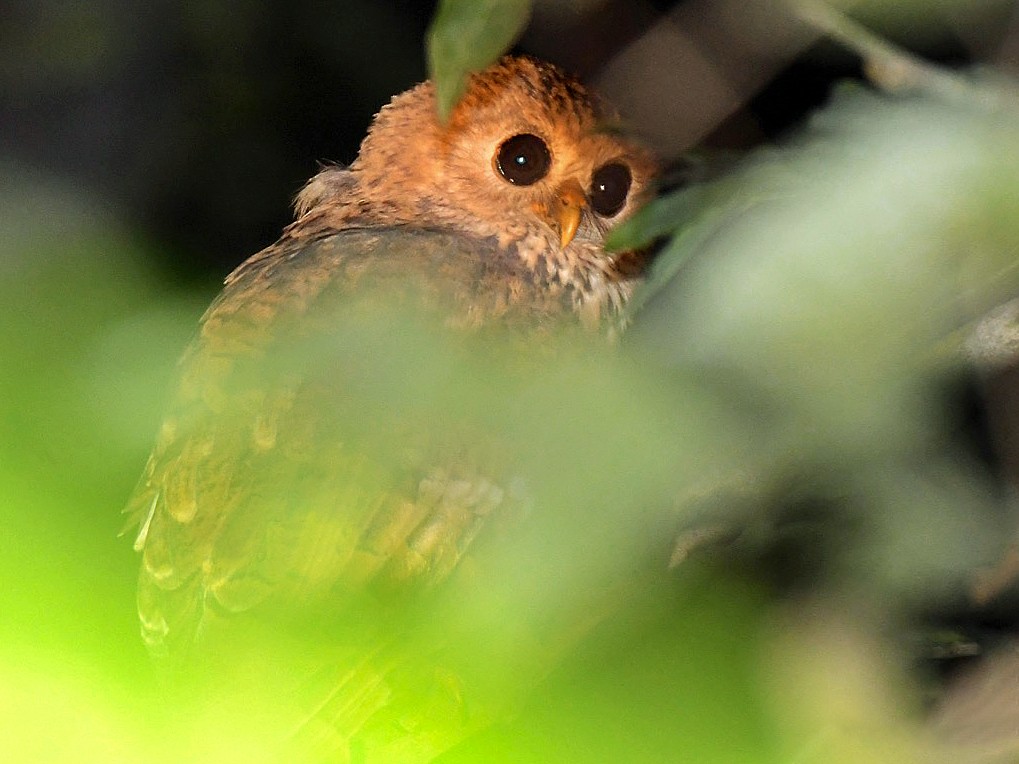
{"type": "Point", "coordinates": [466, 36]}
{"type": "Point", "coordinates": [827, 300]}
{"type": "Point", "coordinates": [695, 215]}
{"type": "Point", "coordinates": [686, 242]}
{"type": "Point", "coordinates": [663, 216]}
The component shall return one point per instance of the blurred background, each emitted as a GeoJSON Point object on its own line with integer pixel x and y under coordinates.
{"type": "Point", "coordinates": [196, 124]}
{"type": "Point", "coordinates": [146, 149]}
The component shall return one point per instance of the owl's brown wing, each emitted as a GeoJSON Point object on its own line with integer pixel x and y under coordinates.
{"type": "Point", "coordinates": [269, 482]}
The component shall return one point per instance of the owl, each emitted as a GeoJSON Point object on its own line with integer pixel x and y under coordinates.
{"type": "Point", "coordinates": [257, 498]}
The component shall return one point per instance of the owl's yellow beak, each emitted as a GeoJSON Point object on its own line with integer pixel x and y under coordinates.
{"type": "Point", "coordinates": [565, 209]}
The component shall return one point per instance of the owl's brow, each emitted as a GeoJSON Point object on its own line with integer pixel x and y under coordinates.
{"type": "Point", "coordinates": [565, 93]}
{"type": "Point", "coordinates": [541, 82]}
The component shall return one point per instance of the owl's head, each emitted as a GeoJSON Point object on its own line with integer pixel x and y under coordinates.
{"type": "Point", "coordinates": [527, 153]}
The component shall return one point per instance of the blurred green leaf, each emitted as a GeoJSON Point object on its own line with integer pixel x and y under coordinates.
{"type": "Point", "coordinates": [695, 214]}
{"type": "Point", "coordinates": [88, 340]}
{"type": "Point", "coordinates": [671, 676]}
{"type": "Point", "coordinates": [52, 710]}
{"type": "Point", "coordinates": [658, 218]}
{"type": "Point", "coordinates": [838, 690]}
{"type": "Point", "coordinates": [466, 36]}
{"type": "Point", "coordinates": [827, 302]}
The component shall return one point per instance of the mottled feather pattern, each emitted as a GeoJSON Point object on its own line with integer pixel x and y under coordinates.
{"type": "Point", "coordinates": [266, 486]}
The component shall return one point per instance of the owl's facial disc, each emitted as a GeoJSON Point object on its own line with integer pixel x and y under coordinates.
{"type": "Point", "coordinates": [523, 160]}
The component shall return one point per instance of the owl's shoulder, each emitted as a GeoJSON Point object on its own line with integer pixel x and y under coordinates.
{"type": "Point", "coordinates": [332, 183]}
{"type": "Point", "coordinates": [461, 278]}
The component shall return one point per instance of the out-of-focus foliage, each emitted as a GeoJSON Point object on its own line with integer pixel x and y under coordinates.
{"type": "Point", "coordinates": [921, 17]}
{"type": "Point", "coordinates": [467, 35]}
{"type": "Point", "coordinates": [831, 291]}
{"type": "Point", "coordinates": [87, 343]}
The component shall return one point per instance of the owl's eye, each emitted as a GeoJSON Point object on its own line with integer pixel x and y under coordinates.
{"type": "Point", "coordinates": [523, 159]}
{"type": "Point", "coordinates": [610, 184]}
